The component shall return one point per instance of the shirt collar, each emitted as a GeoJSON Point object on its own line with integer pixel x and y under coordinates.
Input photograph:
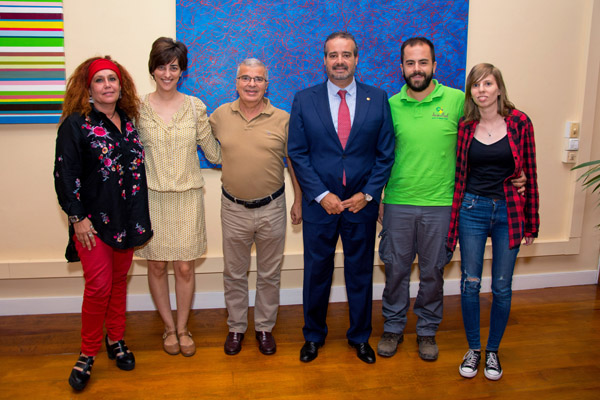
{"type": "Point", "coordinates": [333, 89]}
{"type": "Point", "coordinates": [99, 113]}
{"type": "Point", "coordinates": [268, 110]}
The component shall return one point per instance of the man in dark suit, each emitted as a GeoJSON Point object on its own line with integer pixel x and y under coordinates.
{"type": "Point", "coordinates": [341, 144]}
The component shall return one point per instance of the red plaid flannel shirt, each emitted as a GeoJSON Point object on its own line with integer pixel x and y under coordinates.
{"type": "Point", "coordinates": [523, 216]}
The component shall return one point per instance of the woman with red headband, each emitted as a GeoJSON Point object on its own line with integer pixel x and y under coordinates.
{"type": "Point", "coordinates": [100, 181]}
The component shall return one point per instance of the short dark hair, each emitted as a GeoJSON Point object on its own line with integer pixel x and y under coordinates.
{"type": "Point", "coordinates": [415, 41]}
{"type": "Point", "coordinates": [164, 50]}
{"type": "Point", "coordinates": [343, 35]}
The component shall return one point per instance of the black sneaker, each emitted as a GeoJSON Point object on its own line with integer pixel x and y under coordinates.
{"type": "Point", "coordinates": [493, 370]}
{"type": "Point", "coordinates": [469, 367]}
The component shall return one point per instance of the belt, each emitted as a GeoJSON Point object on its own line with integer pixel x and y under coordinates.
{"type": "Point", "coordinates": [254, 203]}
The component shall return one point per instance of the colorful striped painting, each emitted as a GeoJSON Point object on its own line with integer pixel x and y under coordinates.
{"type": "Point", "coordinates": [32, 61]}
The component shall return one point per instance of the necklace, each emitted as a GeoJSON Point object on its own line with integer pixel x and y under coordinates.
{"type": "Point", "coordinates": [489, 132]}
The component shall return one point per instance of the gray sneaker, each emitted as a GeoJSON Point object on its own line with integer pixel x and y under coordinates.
{"type": "Point", "coordinates": [388, 344]}
{"type": "Point", "coordinates": [428, 349]}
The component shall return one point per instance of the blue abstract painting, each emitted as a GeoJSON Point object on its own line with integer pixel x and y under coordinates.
{"type": "Point", "coordinates": [288, 37]}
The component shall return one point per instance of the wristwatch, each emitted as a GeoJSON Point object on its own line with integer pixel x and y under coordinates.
{"type": "Point", "coordinates": [75, 218]}
{"type": "Point", "coordinates": [368, 197]}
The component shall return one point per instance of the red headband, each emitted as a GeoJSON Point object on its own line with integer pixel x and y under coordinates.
{"type": "Point", "coordinates": [99, 65]}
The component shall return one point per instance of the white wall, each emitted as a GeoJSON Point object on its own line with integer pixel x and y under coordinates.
{"type": "Point", "coordinates": [548, 52]}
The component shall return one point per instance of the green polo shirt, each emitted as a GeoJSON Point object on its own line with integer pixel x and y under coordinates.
{"type": "Point", "coordinates": [426, 133]}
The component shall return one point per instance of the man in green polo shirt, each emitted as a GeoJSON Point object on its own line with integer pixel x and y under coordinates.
{"type": "Point", "coordinates": [418, 198]}
{"type": "Point", "coordinates": [415, 211]}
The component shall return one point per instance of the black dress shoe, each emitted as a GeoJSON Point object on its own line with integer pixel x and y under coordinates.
{"type": "Point", "coordinates": [120, 352]}
{"type": "Point", "coordinates": [79, 379]}
{"type": "Point", "coordinates": [310, 351]}
{"type": "Point", "coordinates": [266, 342]}
{"type": "Point", "coordinates": [233, 343]}
{"type": "Point", "coordinates": [364, 352]}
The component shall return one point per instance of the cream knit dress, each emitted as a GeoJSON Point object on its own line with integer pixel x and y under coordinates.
{"type": "Point", "coordinates": [175, 179]}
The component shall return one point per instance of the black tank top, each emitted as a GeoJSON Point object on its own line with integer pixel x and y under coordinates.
{"type": "Point", "coordinates": [489, 166]}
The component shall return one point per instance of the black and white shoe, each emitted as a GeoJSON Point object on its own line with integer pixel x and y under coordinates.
{"type": "Point", "coordinates": [493, 370]}
{"type": "Point", "coordinates": [469, 367]}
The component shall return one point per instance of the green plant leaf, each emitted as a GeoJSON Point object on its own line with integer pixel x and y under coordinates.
{"type": "Point", "coordinates": [586, 164]}
{"type": "Point", "coordinates": [591, 180]}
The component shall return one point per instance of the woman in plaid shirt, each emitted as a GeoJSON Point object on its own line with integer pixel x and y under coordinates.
{"type": "Point", "coordinates": [495, 145]}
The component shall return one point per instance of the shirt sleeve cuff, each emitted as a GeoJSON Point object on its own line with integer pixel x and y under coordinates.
{"type": "Point", "coordinates": [320, 197]}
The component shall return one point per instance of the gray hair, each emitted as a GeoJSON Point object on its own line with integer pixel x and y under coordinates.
{"type": "Point", "coordinates": [252, 62]}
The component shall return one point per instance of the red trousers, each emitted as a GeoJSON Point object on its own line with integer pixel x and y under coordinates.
{"type": "Point", "coordinates": [105, 296]}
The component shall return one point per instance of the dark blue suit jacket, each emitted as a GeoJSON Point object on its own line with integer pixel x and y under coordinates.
{"type": "Point", "coordinates": [319, 159]}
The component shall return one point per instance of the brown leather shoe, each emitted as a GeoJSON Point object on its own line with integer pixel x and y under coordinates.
{"type": "Point", "coordinates": [172, 349]}
{"type": "Point", "coordinates": [266, 342]}
{"type": "Point", "coordinates": [233, 344]}
{"type": "Point", "coordinates": [189, 349]}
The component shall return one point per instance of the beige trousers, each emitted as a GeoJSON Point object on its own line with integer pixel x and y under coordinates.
{"type": "Point", "coordinates": [265, 227]}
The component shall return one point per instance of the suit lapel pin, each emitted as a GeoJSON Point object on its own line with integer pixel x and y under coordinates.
{"type": "Point", "coordinates": [368, 99]}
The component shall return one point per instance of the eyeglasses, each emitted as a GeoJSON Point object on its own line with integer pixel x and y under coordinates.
{"type": "Point", "coordinates": [248, 79]}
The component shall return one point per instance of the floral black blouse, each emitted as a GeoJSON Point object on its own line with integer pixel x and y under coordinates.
{"type": "Point", "coordinates": [99, 173]}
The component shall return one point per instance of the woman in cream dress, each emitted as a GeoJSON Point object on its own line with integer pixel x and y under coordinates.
{"type": "Point", "coordinates": [171, 124]}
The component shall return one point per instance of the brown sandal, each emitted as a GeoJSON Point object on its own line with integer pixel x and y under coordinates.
{"type": "Point", "coordinates": [172, 349]}
{"type": "Point", "coordinates": [190, 349]}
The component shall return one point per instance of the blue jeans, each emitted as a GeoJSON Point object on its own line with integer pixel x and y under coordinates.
{"type": "Point", "coordinates": [479, 218]}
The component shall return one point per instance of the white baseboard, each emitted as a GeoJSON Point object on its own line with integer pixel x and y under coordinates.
{"type": "Point", "coordinates": [202, 300]}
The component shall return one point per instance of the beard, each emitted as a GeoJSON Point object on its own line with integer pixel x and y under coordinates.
{"type": "Point", "coordinates": [418, 87]}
